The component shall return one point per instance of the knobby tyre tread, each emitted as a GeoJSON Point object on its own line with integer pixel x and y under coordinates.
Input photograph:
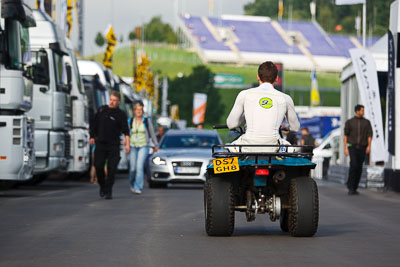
{"type": "Point", "coordinates": [219, 207]}
{"type": "Point", "coordinates": [304, 207]}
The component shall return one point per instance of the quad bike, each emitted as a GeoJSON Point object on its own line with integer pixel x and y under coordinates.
{"type": "Point", "coordinates": [277, 183]}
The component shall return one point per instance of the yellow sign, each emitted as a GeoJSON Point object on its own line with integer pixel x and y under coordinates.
{"type": "Point", "coordinates": [144, 78]}
{"type": "Point", "coordinates": [69, 18]}
{"type": "Point", "coordinates": [111, 43]}
{"type": "Point", "coordinates": [223, 165]}
{"type": "Point", "coordinates": [315, 100]}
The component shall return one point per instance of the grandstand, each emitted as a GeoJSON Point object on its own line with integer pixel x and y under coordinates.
{"type": "Point", "coordinates": [299, 45]}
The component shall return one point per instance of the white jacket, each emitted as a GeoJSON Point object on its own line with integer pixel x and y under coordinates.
{"type": "Point", "coordinates": [264, 109]}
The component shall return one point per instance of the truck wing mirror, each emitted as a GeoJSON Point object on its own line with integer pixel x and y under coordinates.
{"type": "Point", "coordinates": [69, 76]}
{"type": "Point", "coordinates": [40, 75]}
{"type": "Point", "coordinates": [2, 47]}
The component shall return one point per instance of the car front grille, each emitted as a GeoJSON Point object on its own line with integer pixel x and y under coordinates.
{"type": "Point", "coordinates": [187, 164]}
{"type": "Point", "coordinates": [187, 168]}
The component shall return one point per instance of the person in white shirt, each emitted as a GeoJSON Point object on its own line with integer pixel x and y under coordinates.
{"type": "Point", "coordinates": [263, 108]}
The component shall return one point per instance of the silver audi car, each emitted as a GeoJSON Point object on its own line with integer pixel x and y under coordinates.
{"type": "Point", "coordinates": [183, 156]}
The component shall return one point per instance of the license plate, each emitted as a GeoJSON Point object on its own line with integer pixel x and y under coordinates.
{"type": "Point", "coordinates": [226, 165]}
{"type": "Point", "coordinates": [187, 170]}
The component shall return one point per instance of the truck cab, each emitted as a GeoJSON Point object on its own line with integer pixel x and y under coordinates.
{"type": "Point", "coordinates": [52, 104]}
{"type": "Point", "coordinates": [80, 147]}
{"type": "Point", "coordinates": [97, 88]}
{"type": "Point", "coordinates": [16, 128]}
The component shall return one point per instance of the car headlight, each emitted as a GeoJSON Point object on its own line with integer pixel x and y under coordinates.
{"type": "Point", "coordinates": [159, 161]}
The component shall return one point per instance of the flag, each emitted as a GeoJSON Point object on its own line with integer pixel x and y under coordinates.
{"type": "Point", "coordinates": [199, 108]}
{"type": "Point", "coordinates": [367, 80]}
{"type": "Point", "coordinates": [174, 112]}
{"type": "Point", "coordinates": [391, 108]}
{"type": "Point", "coordinates": [40, 4]}
{"type": "Point", "coordinates": [211, 6]}
{"type": "Point", "coordinates": [69, 18]}
{"type": "Point", "coordinates": [280, 8]}
{"type": "Point", "coordinates": [314, 89]}
{"type": "Point", "coordinates": [79, 10]}
{"type": "Point", "coordinates": [349, 2]}
{"type": "Point", "coordinates": [111, 43]}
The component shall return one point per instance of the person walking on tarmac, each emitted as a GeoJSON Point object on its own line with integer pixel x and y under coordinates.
{"type": "Point", "coordinates": [142, 136]}
{"type": "Point", "coordinates": [264, 109]}
{"type": "Point", "coordinates": [108, 125]}
{"type": "Point", "coordinates": [357, 142]}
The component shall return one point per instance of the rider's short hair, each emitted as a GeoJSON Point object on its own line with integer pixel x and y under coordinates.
{"type": "Point", "coordinates": [267, 72]}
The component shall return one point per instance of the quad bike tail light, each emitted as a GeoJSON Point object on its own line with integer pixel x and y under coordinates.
{"type": "Point", "coordinates": [262, 172]}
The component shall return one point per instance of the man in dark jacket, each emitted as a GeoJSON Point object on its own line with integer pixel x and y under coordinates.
{"type": "Point", "coordinates": [357, 143]}
{"type": "Point", "coordinates": [307, 140]}
{"type": "Point", "coordinates": [108, 125]}
{"type": "Point", "coordinates": [290, 135]}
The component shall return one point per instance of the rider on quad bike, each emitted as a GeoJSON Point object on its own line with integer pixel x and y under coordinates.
{"type": "Point", "coordinates": [259, 173]}
{"type": "Point", "coordinates": [264, 109]}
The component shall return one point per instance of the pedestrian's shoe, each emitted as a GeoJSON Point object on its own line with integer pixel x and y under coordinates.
{"type": "Point", "coordinates": [137, 192]}
{"type": "Point", "coordinates": [132, 190]}
{"type": "Point", "coordinates": [353, 192]}
{"type": "Point", "coordinates": [108, 196]}
{"type": "Point", "coordinates": [102, 193]}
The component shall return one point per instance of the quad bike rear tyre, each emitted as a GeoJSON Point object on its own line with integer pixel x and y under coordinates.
{"type": "Point", "coordinates": [284, 220]}
{"type": "Point", "coordinates": [219, 207]}
{"type": "Point", "coordinates": [304, 207]}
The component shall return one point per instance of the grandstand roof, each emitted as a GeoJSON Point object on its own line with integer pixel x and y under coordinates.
{"type": "Point", "coordinates": [245, 40]}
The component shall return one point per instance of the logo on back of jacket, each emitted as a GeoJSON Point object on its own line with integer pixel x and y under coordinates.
{"type": "Point", "coordinates": [266, 102]}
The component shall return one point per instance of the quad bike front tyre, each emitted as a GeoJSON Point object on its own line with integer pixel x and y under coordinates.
{"type": "Point", "coordinates": [304, 207]}
{"type": "Point", "coordinates": [219, 207]}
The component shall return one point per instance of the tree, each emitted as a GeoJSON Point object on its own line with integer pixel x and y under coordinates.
{"type": "Point", "coordinates": [181, 92]}
{"type": "Point", "coordinates": [100, 40]}
{"type": "Point", "coordinates": [131, 36]}
{"type": "Point", "coordinates": [157, 31]}
{"type": "Point", "coordinates": [328, 13]}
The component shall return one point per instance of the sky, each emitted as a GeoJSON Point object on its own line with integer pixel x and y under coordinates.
{"type": "Point", "coordinates": [124, 15]}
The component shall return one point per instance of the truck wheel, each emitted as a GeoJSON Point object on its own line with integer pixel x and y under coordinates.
{"type": "Point", "coordinates": [219, 207]}
{"type": "Point", "coordinates": [36, 179]}
{"type": "Point", "coordinates": [283, 220]}
{"type": "Point", "coordinates": [303, 213]}
{"type": "Point", "coordinates": [5, 184]}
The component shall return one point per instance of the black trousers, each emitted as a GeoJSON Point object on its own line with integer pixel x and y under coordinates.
{"type": "Point", "coordinates": [101, 154]}
{"type": "Point", "coordinates": [357, 157]}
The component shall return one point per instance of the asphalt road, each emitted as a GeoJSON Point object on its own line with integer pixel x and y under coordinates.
{"type": "Point", "coordinates": [62, 223]}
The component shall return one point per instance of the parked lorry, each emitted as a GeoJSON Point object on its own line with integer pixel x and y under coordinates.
{"type": "Point", "coordinates": [80, 147]}
{"type": "Point", "coordinates": [16, 128]}
{"type": "Point", "coordinates": [52, 104]}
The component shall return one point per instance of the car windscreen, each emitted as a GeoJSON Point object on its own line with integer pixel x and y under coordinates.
{"type": "Point", "coordinates": [189, 141]}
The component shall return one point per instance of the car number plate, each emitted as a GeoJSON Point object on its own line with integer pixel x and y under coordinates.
{"type": "Point", "coordinates": [222, 165]}
{"type": "Point", "coordinates": [187, 170]}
